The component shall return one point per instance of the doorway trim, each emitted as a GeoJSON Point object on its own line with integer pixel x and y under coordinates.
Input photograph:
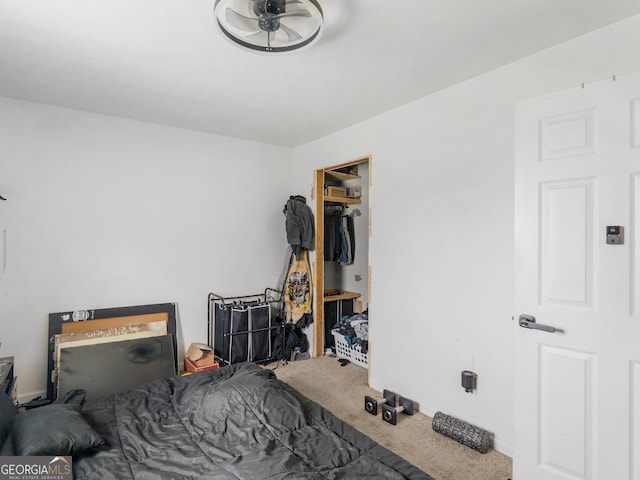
{"type": "Point", "coordinates": [318, 293]}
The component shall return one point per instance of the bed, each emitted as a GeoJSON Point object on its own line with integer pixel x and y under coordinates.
{"type": "Point", "coordinates": [235, 422]}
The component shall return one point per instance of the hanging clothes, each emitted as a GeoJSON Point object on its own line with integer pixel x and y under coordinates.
{"type": "Point", "coordinates": [349, 239]}
{"type": "Point", "coordinates": [299, 224]}
{"type": "Point", "coordinates": [339, 237]}
{"type": "Point", "coordinates": [332, 238]}
{"type": "Point", "coordinates": [343, 257]}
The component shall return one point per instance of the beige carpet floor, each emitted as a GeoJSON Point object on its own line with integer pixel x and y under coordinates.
{"type": "Point", "coordinates": [341, 390]}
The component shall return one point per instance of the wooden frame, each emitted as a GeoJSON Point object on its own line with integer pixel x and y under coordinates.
{"type": "Point", "coordinates": [318, 290]}
{"type": "Point", "coordinates": [83, 320]}
{"type": "Point", "coordinates": [318, 286]}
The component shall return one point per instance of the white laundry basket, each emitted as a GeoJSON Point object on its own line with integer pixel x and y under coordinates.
{"type": "Point", "coordinates": [353, 354]}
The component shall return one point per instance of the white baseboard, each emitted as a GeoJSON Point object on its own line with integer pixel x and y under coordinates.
{"type": "Point", "coordinates": [504, 448]}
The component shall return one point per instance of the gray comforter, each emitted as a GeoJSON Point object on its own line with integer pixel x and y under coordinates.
{"type": "Point", "coordinates": [237, 422]}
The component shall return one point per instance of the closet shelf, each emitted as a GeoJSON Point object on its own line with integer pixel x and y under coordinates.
{"type": "Point", "coordinates": [345, 200]}
{"type": "Point", "coordinates": [333, 295]}
{"type": "Point", "coordinates": [340, 176]}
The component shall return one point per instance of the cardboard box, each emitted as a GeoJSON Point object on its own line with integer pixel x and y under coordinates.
{"type": "Point", "coordinates": [206, 359]}
{"type": "Point", "coordinates": [191, 366]}
{"type": "Point", "coordinates": [200, 354]}
{"type": "Point", "coordinates": [333, 191]}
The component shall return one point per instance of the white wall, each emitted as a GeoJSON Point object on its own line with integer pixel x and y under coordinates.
{"type": "Point", "coordinates": [105, 212]}
{"type": "Point", "coordinates": [442, 226]}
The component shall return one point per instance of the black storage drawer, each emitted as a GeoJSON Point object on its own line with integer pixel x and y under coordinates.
{"type": "Point", "coordinates": [334, 310]}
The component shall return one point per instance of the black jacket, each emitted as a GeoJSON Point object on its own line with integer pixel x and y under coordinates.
{"type": "Point", "coordinates": [299, 224]}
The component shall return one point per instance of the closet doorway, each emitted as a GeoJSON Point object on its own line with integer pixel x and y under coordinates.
{"type": "Point", "coordinates": [342, 278]}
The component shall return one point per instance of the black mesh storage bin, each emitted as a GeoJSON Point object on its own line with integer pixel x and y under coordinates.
{"type": "Point", "coordinates": [241, 328]}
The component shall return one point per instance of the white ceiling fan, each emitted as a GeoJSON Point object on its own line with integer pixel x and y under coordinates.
{"type": "Point", "coordinates": [270, 26]}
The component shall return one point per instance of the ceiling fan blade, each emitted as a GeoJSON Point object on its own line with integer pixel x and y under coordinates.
{"type": "Point", "coordinates": [261, 37]}
{"type": "Point", "coordinates": [241, 22]}
{"type": "Point", "coordinates": [294, 13]}
{"type": "Point", "coordinates": [291, 33]}
{"type": "Point", "coordinates": [266, 39]}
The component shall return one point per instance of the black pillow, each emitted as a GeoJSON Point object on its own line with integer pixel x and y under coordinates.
{"type": "Point", "coordinates": [57, 429]}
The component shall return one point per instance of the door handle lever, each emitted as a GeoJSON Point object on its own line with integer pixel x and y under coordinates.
{"type": "Point", "coordinates": [529, 321]}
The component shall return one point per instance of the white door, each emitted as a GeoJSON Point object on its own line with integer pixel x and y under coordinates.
{"type": "Point", "coordinates": [577, 398]}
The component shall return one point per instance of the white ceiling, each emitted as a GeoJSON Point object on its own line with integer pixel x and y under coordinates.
{"type": "Point", "coordinates": [163, 61]}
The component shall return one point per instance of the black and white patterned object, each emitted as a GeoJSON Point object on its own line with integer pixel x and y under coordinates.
{"type": "Point", "coordinates": [463, 432]}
